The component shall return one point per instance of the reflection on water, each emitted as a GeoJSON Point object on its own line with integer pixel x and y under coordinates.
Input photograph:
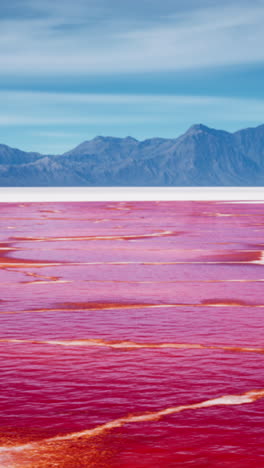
{"type": "Point", "coordinates": [131, 335]}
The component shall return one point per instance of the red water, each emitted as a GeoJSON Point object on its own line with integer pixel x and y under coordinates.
{"type": "Point", "coordinates": [132, 335]}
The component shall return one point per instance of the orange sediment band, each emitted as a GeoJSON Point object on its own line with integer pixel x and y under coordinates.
{"type": "Point", "coordinates": [31, 264]}
{"type": "Point", "coordinates": [9, 454]}
{"type": "Point", "coordinates": [131, 345]}
{"type": "Point", "coordinates": [86, 307]}
{"type": "Point", "coordinates": [226, 400]}
{"type": "Point", "coordinates": [91, 238]}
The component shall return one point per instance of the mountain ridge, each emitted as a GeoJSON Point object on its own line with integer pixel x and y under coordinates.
{"type": "Point", "coordinates": [202, 156]}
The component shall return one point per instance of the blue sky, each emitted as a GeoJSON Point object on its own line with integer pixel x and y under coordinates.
{"type": "Point", "coordinates": [74, 70]}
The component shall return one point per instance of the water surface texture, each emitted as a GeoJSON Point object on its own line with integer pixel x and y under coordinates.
{"type": "Point", "coordinates": [131, 335]}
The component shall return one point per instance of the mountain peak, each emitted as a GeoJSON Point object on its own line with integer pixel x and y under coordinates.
{"type": "Point", "coordinates": [199, 127]}
{"type": "Point", "coordinates": [203, 129]}
{"type": "Point", "coordinates": [130, 138]}
{"type": "Point", "coordinates": [100, 138]}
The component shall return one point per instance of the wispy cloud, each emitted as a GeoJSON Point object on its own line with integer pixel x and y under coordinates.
{"type": "Point", "coordinates": [42, 98]}
{"type": "Point", "coordinates": [88, 38]}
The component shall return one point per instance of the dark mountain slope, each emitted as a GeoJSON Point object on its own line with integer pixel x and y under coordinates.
{"type": "Point", "coordinates": [15, 156]}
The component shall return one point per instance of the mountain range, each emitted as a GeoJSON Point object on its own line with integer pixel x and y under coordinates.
{"type": "Point", "coordinates": [202, 156]}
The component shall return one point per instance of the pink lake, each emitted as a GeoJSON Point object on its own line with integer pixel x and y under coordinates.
{"type": "Point", "coordinates": [131, 335]}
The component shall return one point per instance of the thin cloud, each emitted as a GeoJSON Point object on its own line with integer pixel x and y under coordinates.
{"type": "Point", "coordinates": [89, 39]}
{"type": "Point", "coordinates": [47, 108]}
{"type": "Point", "coordinates": [33, 121]}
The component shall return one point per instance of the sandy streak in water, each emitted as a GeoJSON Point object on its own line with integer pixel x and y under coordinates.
{"type": "Point", "coordinates": [9, 454]}
{"type": "Point", "coordinates": [131, 345]}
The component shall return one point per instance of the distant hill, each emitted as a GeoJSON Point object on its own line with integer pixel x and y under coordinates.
{"type": "Point", "coordinates": [202, 156]}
